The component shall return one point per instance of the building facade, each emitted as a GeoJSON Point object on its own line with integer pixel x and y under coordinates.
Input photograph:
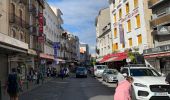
{"type": "Point", "coordinates": [158, 56]}
{"type": "Point", "coordinates": [130, 25]}
{"type": "Point", "coordinates": [103, 33]}
{"type": "Point", "coordinates": [84, 54]}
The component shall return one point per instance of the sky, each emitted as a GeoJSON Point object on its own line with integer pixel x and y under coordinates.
{"type": "Point", "coordinates": [79, 18]}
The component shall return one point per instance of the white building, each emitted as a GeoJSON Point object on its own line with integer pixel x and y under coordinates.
{"type": "Point", "coordinates": [52, 30]}
{"type": "Point", "coordinates": [103, 33]}
{"type": "Point", "coordinates": [130, 24]}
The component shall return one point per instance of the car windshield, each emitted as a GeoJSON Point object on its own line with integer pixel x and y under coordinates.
{"type": "Point", "coordinates": [101, 67]}
{"type": "Point", "coordinates": [144, 72]}
{"type": "Point", "coordinates": [81, 69]}
{"type": "Point", "coordinates": [112, 72]}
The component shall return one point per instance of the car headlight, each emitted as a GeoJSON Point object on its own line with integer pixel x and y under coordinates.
{"type": "Point", "coordinates": [140, 85]}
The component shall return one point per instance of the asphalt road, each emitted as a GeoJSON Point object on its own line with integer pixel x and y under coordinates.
{"type": "Point", "coordinates": [71, 89]}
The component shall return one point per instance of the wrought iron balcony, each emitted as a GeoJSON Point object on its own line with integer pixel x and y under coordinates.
{"type": "Point", "coordinates": [152, 3]}
{"type": "Point", "coordinates": [42, 3]}
{"type": "Point", "coordinates": [13, 19]}
{"type": "Point", "coordinates": [161, 19]}
{"type": "Point", "coordinates": [33, 10]}
{"type": "Point", "coordinates": [25, 2]}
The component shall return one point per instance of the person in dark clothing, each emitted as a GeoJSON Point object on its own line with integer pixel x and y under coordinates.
{"type": "Point", "coordinates": [167, 80]}
{"type": "Point", "coordinates": [62, 73]}
{"type": "Point", "coordinates": [13, 84]}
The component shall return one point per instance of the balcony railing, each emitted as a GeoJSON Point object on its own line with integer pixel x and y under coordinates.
{"type": "Point", "coordinates": [21, 1]}
{"type": "Point", "coordinates": [152, 3]}
{"type": "Point", "coordinates": [13, 19]}
{"type": "Point", "coordinates": [42, 3]}
{"type": "Point", "coordinates": [163, 19]}
{"type": "Point", "coordinates": [33, 10]}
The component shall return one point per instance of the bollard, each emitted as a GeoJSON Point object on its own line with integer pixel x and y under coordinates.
{"type": "Point", "coordinates": [0, 91]}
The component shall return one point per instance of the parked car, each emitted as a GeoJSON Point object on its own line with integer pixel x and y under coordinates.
{"type": "Point", "coordinates": [81, 72]}
{"type": "Point", "coordinates": [110, 75]}
{"type": "Point", "coordinates": [98, 70]}
{"type": "Point", "coordinates": [148, 83]}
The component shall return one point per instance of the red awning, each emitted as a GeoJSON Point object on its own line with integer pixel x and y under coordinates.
{"type": "Point", "coordinates": [120, 58]}
{"type": "Point", "coordinates": [114, 57]}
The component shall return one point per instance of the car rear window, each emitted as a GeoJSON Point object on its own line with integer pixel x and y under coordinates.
{"type": "Point", "coordinates": [101, 67]}
{"type": "Point", "coordinates": [81, 69]}
{"type": "Point", "coordinates": [112, 72]}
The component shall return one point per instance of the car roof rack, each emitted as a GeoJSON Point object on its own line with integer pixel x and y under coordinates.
{"type": "Point", "coordinates": [135, 65]}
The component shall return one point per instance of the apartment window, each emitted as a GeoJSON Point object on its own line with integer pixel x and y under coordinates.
{"type": "Point", "coordinates": [127, 8]}
{"type": "Point", "coordinates": [135, 3]}
{"type": "Point", "coordinates": [129, 25]}
{"type": "Point", "coordinates": [14, 34]}
{"type": "Point", "coordinates": [12, 10]}
{"type": "Point", "coordinates": [20, 15]}
{"type": "Point", "coordinates": [139, 39]}
{"type": "Point", "coordinates": [115, 32]}
{"type": "Point", "coordinates": [123, 45]}
{"type": "Point", "coordinates": [115, 17]}
{"type": "Point", "coordinates": [138, 21]}
{"type": "Point", "coordinates": [116, 46]}
{"type": "Point", "coordinates": [120, 13]}
{"type": "Point", "coordinates": [130, 42]}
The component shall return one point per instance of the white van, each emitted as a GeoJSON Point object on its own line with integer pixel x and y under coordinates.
{"type": "Point", "coordinates": [98, 70]}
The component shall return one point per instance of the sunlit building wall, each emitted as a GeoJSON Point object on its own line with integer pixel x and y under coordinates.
{"type": "Point", "coordinates": [130, 25]}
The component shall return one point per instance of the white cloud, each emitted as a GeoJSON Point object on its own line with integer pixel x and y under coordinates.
{"type": "Point", "coordinates": [79, 17]}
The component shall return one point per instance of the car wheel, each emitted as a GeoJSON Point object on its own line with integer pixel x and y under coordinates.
{"type": "Point", "coordinates": [106, 80]}
{"type": "Point", "coordinates": [133, 94]}
{"type": "Point", "coordinates": [76, 76]}
{"type": "Point", "coordinates": [102, 79]}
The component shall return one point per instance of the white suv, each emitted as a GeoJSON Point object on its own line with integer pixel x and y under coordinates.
{"type": "Point", "coordinates": [148, 83]}
{"type": "Point", "coordinates": [98, 70]}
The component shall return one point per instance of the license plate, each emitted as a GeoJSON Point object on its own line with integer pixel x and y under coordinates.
{"type": "Point", "coordinates": [161, 94]}
{"type": "Point", "coordinates": [114, 78]}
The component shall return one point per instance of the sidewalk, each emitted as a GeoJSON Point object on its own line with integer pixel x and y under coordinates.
{"type": "Point", "coordinates": [26, 87]}
{"type": "Point", "coordinates": [31, 85]}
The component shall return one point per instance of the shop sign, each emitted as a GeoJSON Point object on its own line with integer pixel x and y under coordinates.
{"type": "Point", "coordinates": [41, 39]}
{"type": "Point", "coordinates": [121, 31]}
{"type": "Point", "coordinates": [56, 46]}
{"type": "Point", "coordinates": [41, 22]}
{"type": "Point", "coordinates": [157, 55]}
{"type": "Point", "coordinates": [157, 49]}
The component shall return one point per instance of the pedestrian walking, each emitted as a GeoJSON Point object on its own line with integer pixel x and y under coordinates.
{"type": "Point", "coordinates": [123, 90]}
{"type": "Point", "coordinates": [62, 73]}
{"type": "Point", "coordinates": [167, 79]}
{"type": "Point", "coordinates": [13, 84]}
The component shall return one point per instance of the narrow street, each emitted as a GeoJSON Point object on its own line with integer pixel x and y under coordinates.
{"type": "Point", "coordinates": [71, 89]}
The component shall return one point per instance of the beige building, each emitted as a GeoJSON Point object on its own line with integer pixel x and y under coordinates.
{"type": "Point", "coordinates": [103, 33]}
{"type": "Point", "coordinates": [18, 38]}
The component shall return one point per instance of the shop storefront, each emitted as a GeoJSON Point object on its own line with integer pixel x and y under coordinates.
{"type": "Point", "coordinates": [158, 58]}
{"type": "Point", "coordinates": [46, 61]}
{"type": "Point", "coordinates": [115, 60]}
